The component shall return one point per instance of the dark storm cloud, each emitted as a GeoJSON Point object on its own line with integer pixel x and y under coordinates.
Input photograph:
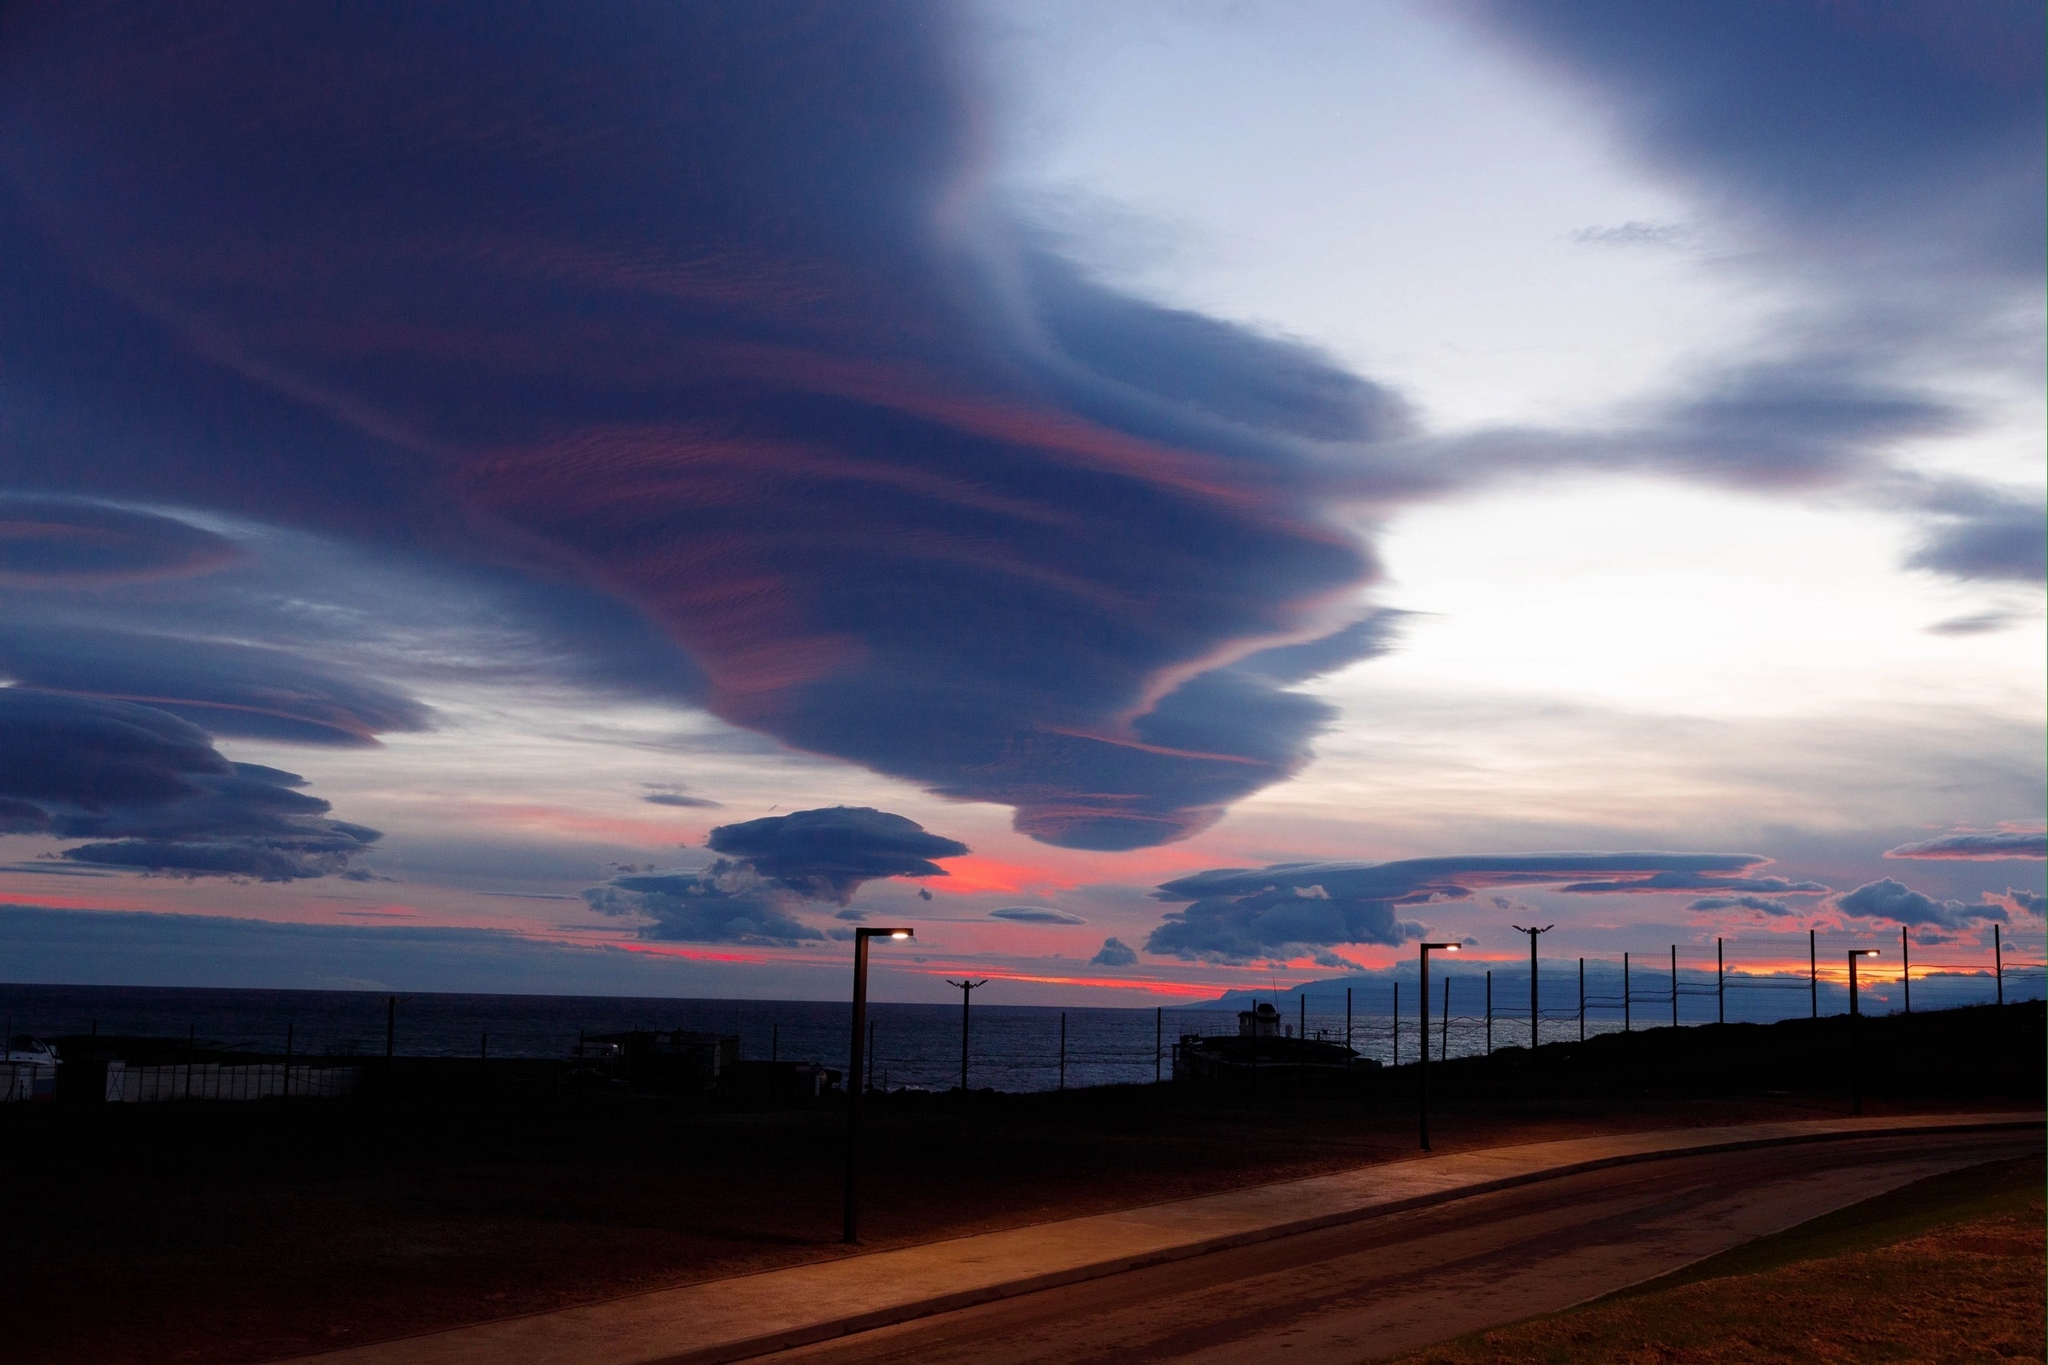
{"type": "Point", "coordinates": [151, 793]}
{"type": "Point", "coordinates": [696, 306]}
{"type": "Point", "coordinates": [1887, 899]}
{"type": "Point", "coordinates": [725, 903]}
{"type": "Point", "coordinates": [1984, 533]}
{"type": "Point", "coordinates": [1869, 126]}
{"type": "Point", "coordinates": [225, 688]}
{"type": "Point", "coordinates": [827, 854]}
{"type": "Point", "coordinates": [1990, 846]}
{"type": "Point", "coordinates": [1884, 164]}
{"type": "Point", "coordinates": [1114, 953]}
{"type": "Point", "coordinates": [773, 865]}
{"type": "Point", "coordinates": [1245, 914]}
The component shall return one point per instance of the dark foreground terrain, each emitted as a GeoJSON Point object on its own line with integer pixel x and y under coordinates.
{"type": "Point", "coordinates": [249, 1231]}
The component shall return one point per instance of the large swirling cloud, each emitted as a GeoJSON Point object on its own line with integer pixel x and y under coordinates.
{"type": "Point", "coordinates": [696, 305]}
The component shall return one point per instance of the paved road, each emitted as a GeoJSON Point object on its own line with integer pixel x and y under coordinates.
{"type": "Point", "coordinates": [1387, 1285]}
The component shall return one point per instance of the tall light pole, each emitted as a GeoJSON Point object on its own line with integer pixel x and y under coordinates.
{"type": "Point", "coordinates": [851, 1229]}
{"type": "Point", "coordinates": [967, 989]}
{"type": "Point", "coordinates": [1533, 1014]}
{"type": "Point", "coordinates": [1855, 1013]}
{"type": "Point", "coordinates": [1427, 948]}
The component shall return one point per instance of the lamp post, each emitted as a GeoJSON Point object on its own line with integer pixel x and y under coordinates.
{"type": "Point", "coordinates": [1855, 1013]}
{"type": "Point", "coordinates": [1534, 1014]}
{"type": "Point", "coordinates": [1426, 949]}
{"type": "Point", "coordinates": [851, 1229]}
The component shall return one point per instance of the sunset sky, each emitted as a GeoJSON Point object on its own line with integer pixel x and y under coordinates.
{"type": "Point", "coordinates": [1576, 460]}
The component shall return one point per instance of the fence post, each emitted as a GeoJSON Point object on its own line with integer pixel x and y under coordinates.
{"type": "Point", "coordinates": [1397, 1023]}
{"type": "Point", "coordinates": [1906, 968]}
{"type": "Point", "coordinates": [1582, 1000]}
{"type": "Point", "coordinates": [1158, 1040]}
{"type": "Point", "coordinates": [287, 1061]}
{"type": "Point", "coordinates": [1063, 1049]}
{"type": "Point", "coordinates": [1674, 985]}
{"type": "Point", "coordinates": [1347, 1022]}
{"type": "Point", "coordinates": [1302, 1000]}
{"type": "Point", "coordinates": [1489, 1014]}
{"type": "Point", "coordinates": [1720, 984]}
{"type": "Point", "coordinates": [1627, 1025]}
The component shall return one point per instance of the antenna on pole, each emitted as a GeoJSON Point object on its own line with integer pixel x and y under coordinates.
{"type": "Point", "coordinates": [967, 989]}
{"type": "Point", "coordinates": [1533, 1015]}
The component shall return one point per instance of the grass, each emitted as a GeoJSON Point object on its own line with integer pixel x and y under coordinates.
{"type": "Point", "coordinates": [1948, 1269]}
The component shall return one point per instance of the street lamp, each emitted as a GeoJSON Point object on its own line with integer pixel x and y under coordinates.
{"type": "Point", "coordinates": [1855, 1013]}
{"type": "Point", "coordinates": [851, 1233]}
{"type": "Point", "coordinates": [1426, 948]}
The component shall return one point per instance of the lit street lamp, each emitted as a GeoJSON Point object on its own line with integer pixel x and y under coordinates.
{"type": "Point", "coordinates": [1448, 948]}
{"type": "Point", "coordinates": [851, 1232]}
{"type": "Point", "coordinates": [1855, 1013]}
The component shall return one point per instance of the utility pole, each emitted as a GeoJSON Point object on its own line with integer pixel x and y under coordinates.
{"type": "Point", "coordinates": [1998, 962]}
{"type": "Point", "coordinates": [967, 990]}
{"type": "Point", "coordinates": [1534, 1014]}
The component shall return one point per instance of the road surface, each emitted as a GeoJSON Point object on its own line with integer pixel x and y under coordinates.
{"type": "Point", "coordinates": [1387, 1285]}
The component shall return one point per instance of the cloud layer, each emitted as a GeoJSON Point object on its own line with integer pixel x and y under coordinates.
{"type": "Point", "coordinates": [1987, 847]}
{"type": "Point", "coordinates": [1243, 914]}
{"type": "Point", "coordinates": [773, 866]}
{"type": "Point", "coordinates": [151, 793]}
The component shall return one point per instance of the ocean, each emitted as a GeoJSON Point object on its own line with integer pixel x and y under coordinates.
{"type": "Point", "coordinates": [1011, 1047]}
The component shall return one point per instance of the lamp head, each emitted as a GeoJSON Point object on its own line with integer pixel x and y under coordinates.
{"type": "Point", "coordinates": [1863, 952]}
{"type": "Point", "coordinates": [866, 932]}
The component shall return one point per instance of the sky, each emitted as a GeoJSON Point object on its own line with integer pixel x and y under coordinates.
{"type": "Point", "coordinates": [1163, 499]}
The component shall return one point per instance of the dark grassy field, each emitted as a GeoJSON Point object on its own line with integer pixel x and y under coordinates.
{"type": "Point", "coordinates": [1949, 1269]}
{"type": "Point", "coordinates": [243, 1232]}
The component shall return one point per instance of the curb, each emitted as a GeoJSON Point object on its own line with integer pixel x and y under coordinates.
{"type": "Point", "coordinates": [812, 1333]}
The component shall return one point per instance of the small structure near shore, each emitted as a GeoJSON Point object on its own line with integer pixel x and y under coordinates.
{"type": "Point", "coordinates": [1262, 1043]}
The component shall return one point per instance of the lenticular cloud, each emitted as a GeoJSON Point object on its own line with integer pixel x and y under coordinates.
{"type": "Point", "coordinates": [696, 306]}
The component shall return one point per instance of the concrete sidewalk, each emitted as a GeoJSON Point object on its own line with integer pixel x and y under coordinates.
{"type": "Point", "coordinates": [750, 1315]}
